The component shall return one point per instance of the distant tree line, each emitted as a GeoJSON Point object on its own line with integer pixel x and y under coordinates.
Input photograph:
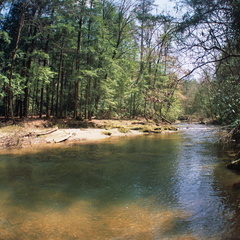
{"type": "Point", "coordinates": [99, 58]}
{"type": "Point", "coordinates": [119, 58]}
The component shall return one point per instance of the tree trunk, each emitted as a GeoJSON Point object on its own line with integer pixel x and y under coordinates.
{"type": "Point", "coordinates": [52, 96]}
{"type": "Point", "coordinates": [76, 87]}
{"type": "Point", "coordinates": [61, 93]}
{"type": "Point", "coordinates": [20, 26]}
{"type": "Point", "coordinates": [41, 102]}
{"type": "Point", "coordinates": [78, 60]}
{"type": "Point", "coordinates": [47, 103]}
{"type": "Point", "coordinates": [89, 79]}
{"type": "Point", "coordinates": [59, 77]}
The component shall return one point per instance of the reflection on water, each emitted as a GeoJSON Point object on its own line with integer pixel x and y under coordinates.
{"type": "Point", "coordinates": [167, 186]}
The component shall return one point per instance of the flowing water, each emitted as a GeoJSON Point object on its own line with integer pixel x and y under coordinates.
{"type": "Point", "coordinates": [151, 187]}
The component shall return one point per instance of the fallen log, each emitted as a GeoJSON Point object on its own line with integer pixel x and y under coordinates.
{"type": "Point", "coordinates": [62, 139]}
{"type": "Point", "coordinates": [235, 165]}
{"type": "Point", "coordinates": [46, 132]}
{"type": "Point", "coordinates": [166, 120]}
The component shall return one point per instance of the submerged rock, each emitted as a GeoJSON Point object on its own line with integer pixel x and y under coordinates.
{"type": "Point", "coordinates": [235, 165]}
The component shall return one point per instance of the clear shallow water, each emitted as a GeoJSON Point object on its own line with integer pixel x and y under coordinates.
{"type": "Point", "coordinates": [165, 186]}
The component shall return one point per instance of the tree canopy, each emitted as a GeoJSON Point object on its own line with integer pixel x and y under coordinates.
{"type": "Point", "coordinates": [107, 58]}
{"type": "Point", "coordinates": [86, 58]}
{"type": "Point", "coordinates": [210, 32]}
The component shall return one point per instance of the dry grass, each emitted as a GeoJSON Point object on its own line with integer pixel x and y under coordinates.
{"type": "Point", "coordinates": [11, 130]}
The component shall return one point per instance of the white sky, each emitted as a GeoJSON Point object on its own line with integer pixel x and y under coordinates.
{"type": "Point", "coordinates": [168, 6]}
{"type": "Point", "coordinates": [164, 4]}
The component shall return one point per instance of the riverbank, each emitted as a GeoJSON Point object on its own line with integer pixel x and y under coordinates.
{"type": "Point", "coordinates": [37, 131]}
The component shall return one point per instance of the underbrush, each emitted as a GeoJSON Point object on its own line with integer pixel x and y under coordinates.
{"type": "Point", "coordinates": [232, 135]}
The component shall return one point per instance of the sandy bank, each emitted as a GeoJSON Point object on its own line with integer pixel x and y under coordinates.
{"type": "Point", "coordinates": [78, 135]}
{"type": "Point", "coordinates": [33, 132]}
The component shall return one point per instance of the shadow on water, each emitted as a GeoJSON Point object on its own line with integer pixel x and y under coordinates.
{"type": "Point", "coordinates": [165, 186]}
{"type": "Point", "coordinates": [110, 173]}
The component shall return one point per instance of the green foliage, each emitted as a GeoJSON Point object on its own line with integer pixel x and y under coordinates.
{"type": "Point", "coordinates": [3, 81]}
{"type": "Point", "coordinates": [227, 91]}
{"type": "Point", "coordinates": [4, 38]}
{"type": "Point", "coordinates": [44, 74]}
{"type": "Point", "coordinates": [18, 84]}
{"type": "Point", "coordinates": [217, 96]}
{"type": "Point", "coordinates": [198, 101]}
{"type": "Point", "coordinates": [103, 58]}
{"type": "Point", "coordinates": [173, 109]}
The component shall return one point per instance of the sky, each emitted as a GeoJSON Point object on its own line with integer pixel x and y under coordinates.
{"type": "Point", "coordinates": [168, 7]}
{"type": "Point", "coordinates": [165, 4]}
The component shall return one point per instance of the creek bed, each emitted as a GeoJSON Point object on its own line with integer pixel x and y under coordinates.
{"type": "Point", "coordinates": [157, 186]}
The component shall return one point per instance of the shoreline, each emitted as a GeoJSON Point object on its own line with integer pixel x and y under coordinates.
{"type": "Point", "coordinates": [40, 132]}
{"type": "Point", "coordinates": [86, 137]}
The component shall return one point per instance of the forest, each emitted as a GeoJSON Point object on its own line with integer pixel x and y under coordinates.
{"type": "Point", "coordinates": [120, 58]}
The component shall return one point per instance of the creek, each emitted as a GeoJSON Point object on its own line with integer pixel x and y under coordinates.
{"type": "Point", "coordinates": [150, 187]}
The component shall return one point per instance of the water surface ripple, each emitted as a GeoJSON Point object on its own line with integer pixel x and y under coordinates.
{"type": "Point", "coordinates": [152, 187]}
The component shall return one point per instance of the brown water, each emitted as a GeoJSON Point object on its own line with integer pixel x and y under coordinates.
{"type": "Point", "coordinates": [166, 186]}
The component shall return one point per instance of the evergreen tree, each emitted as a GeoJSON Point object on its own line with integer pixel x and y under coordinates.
{"type": "Point", "coordinates": [86, 58]}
